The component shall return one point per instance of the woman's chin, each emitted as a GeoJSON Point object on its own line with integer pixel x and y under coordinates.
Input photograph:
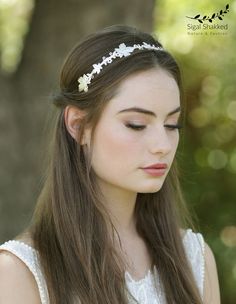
{"type": "Point", "coordinates": [150, 189]}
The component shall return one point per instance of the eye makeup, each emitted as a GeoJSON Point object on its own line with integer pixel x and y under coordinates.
{"type": "Point", "coordinates": [139, 127]}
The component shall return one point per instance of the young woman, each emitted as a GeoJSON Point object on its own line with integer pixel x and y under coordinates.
{"type": "Point", "coordinates": [111, 225]}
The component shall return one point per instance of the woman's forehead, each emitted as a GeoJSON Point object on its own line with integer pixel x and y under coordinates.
{"type": "Point", "coordinates": [153, 89]}
{"type": "Point", "coordinates": [156, 78]}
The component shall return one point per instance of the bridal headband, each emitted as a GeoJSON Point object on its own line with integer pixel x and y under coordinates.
{"type": "Point", "coordinates": [121, 51]}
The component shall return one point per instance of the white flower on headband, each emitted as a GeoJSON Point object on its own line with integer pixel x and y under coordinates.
{"type": "Point", "coordinates": [124, 50]}
{"type": "Point", "coordinates": [83, 83]}
{"type": "Point", "coordinates": [97, 68]}
{"type": "Point", "coordinates": [121, 51]}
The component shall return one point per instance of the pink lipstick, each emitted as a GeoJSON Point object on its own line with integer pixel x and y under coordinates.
{"type": "Point", "coordinates": [158, 169]}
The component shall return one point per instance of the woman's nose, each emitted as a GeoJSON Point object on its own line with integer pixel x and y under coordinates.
{"type": "Point", "coordinates": [160, 142]}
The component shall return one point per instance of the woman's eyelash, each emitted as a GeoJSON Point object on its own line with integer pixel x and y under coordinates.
{"type": "Point", "coordinates": [135, 127]}
{"type": "Point", "coordinates": [172, 127]}
{"type": "Point", "coordinates": [141, 127]}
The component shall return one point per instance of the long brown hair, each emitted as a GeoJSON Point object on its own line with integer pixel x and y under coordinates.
{"type": "Point", "coordinates": [69, 226]}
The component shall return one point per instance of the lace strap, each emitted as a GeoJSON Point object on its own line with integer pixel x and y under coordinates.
{"type": "Point", "coordinates": [29, 256]}
{"type": "Point", "coordinates": [195, 249]}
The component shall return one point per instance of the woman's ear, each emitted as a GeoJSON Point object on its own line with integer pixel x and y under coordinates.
{"type": "Point", "coordinates": [73, 117]}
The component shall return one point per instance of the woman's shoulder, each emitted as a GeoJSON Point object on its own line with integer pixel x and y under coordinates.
{"type": "Point", "coordinates": [17, 283]}
{"type": "Point", "coordinates": [19, 261]}
{"type": "Point", "coordinates": [22, 247]}
{"type": "Point", "coordinates": [203, 264]}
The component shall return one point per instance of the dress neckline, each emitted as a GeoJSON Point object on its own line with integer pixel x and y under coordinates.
{"type": "Point", "coordinates": [149, 274]}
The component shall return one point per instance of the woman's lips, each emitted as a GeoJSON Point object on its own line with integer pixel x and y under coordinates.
{"type": "Point", "coordinates": [155, 172]}
{"type": "Point", "coordinates": [157, 169]}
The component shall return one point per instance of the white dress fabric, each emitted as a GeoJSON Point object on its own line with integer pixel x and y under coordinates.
{"type": "Point", "coordinates": [143, 290]}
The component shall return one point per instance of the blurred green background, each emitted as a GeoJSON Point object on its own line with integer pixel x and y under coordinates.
{"type": "Point", "coordinates": [209, 68]}
{"type": "Point", "coordinates": [208, 64]}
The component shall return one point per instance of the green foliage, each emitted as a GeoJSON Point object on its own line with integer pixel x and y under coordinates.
{"type": "Point", "coordinates": [208, 63]}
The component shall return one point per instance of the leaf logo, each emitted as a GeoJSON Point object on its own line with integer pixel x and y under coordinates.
{"type": "Point", "coordinates": [214, 16]}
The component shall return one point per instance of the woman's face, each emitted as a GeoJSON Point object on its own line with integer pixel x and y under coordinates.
{"type": "Point", "coordinates": [125, 141]}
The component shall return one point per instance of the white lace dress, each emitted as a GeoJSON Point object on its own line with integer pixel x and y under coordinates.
{"type": "Point", "coordinates": [143, 290]}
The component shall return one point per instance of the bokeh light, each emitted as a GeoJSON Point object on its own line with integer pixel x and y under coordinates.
{"type": "Point", "coordinates": [211, 85]}
{"type": "Point", "coordinates": [14, 24]}
{"type": "Point", "coordinates": [231, 110]}
{"type": "Point", "coordinates": [217, 159]}
{"type": "Point", "coordinates": [228, 236]}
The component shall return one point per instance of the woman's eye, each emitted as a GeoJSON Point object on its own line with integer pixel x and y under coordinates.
{"type": "Point", "coordinates": [135, 127]}
{"type": "Point", "coordinates": [174, 127]}
{"type": "Point", "coordinates": [141, 127]}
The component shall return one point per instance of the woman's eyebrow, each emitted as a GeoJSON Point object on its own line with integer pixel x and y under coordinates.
{"type": "Point", "coordinates": [147, 112]}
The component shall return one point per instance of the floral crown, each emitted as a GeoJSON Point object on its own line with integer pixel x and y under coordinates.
{"type": "Point", "coordinates": [121, 51]}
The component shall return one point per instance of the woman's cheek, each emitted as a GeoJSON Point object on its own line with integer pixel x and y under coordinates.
{"type": "Point", "coordinates": [123, 141]}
